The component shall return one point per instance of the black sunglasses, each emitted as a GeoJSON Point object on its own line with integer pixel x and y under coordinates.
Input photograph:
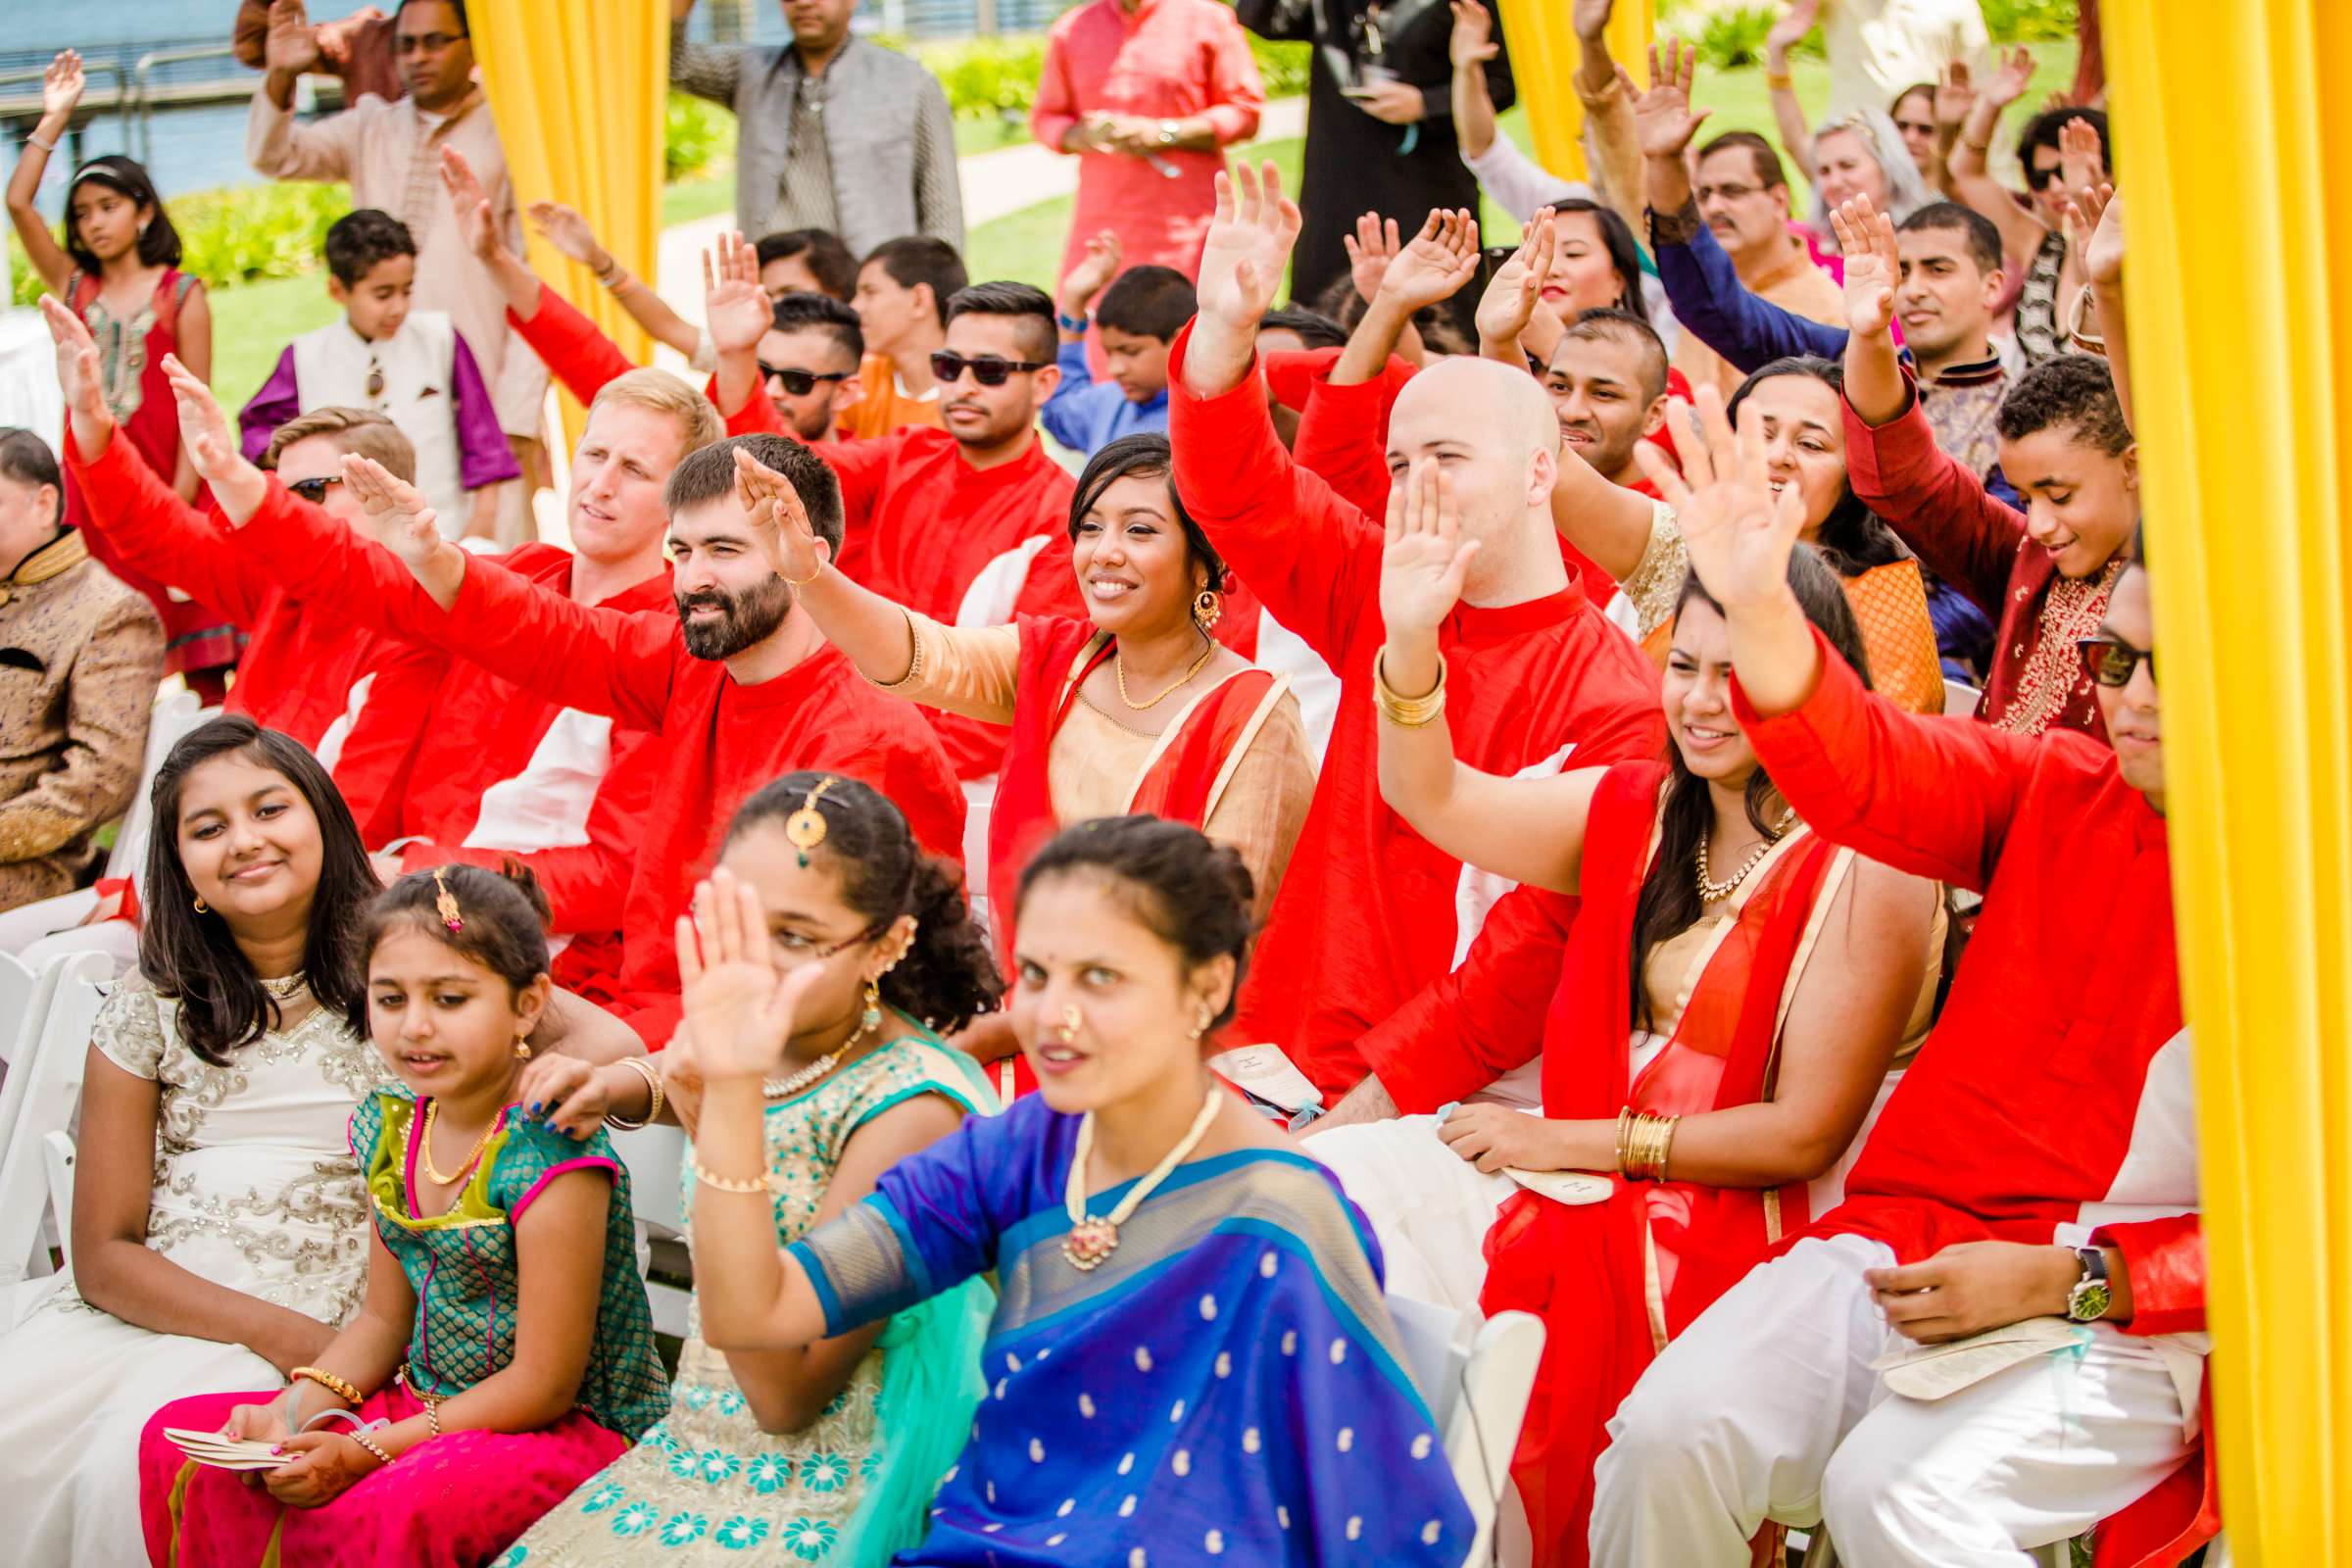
{"type": "Point", "coordinates": [799, 383]}
{"type": "Point", "coordinates": [2110, 662]}
{"type": "Point", "coordinates": [2047, 175]}
{"type": "Point", "coordinates": [314, 490]}
{"type": "Point", "coordinates": [988, 369]}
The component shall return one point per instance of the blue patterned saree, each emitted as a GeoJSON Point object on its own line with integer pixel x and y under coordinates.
{"type": "Point", "coordinates": [1225, 1388]}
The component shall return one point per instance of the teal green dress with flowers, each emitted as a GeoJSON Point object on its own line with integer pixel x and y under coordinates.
{"type": "Point", "coordinates": [706, 1486]}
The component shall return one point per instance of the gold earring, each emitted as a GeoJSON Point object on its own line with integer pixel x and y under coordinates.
{"type": "Point", "coordinates": [1071, 1019]}
{"type": "Point", "coordinates": [200, 909]}
{"type": "Point", "coordinates": [1207, 606]}
{"type": "Point", "coordinates": [522, 1048]}
{"type": "Point", "coordinates": [872, 1018]}
{"type": "Point", "coordinates": [1207, 1017]}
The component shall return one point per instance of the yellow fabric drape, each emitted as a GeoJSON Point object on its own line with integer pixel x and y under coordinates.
{"type": "Point", "coordinates": [2234, 142]}
{"type": "Point", "coordinates": [580, 88]}
{"type": "Point", "coordinates": [1542, 40]}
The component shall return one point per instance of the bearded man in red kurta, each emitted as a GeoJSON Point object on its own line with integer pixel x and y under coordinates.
{"type": "Point", "coordinates": [1379, 944]}
{"type": "Point", "coordinates": [2035, 1170]}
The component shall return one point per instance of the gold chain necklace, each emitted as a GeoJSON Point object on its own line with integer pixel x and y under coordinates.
{"type": "Point", "coordinates": [779, 1087]}
{"type": "Point", "coordinates": [425, 1149]}
{"type": "Point", "coordinates": [1091, 1239]}
{"type": "Point", "coordinates": [1710, 892]}
{"type": "Point", "coordinates": [1118, 670]}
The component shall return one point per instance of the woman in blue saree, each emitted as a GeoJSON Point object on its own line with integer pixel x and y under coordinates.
{"type": "Point", "coordinates": [1191, 1360]}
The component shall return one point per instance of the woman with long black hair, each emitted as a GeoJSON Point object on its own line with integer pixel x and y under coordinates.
{"type": "Point", "coordinates": [219, 1225]}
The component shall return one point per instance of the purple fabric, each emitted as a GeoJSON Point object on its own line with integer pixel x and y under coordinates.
{"type": "Point", "coordinates": [278, 401]}
{"type": "Point", "coordinates": [483, 456]}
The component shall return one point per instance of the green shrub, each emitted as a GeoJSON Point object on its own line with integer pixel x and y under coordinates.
{"type": "Point", "coordinates": [1732, 36]}
{"type": "Point", "coordinates": [1283, 66]}
{"type": "Point", "coordinates": [694, 135]}
{"type": "Point", "coordinates": [2030, 20]}
{"type": "Point", "coordinates": [989, 76]}
{"type": "Point", "coordinates": [250, 231]}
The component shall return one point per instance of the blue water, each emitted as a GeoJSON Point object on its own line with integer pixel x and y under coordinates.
{"type": "Point", "coordinates": [198, 149]}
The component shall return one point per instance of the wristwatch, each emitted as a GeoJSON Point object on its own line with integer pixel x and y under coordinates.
{"type": "Point", "coordinates": [2090, 1298]}
{"type": "Point", "coordinates": [1071, 323]}
{"type": "Point", "coordinates": [1169, 131]}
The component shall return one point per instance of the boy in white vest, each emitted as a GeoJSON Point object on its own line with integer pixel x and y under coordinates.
{"type": "Point", "coordinates": [413, 366]}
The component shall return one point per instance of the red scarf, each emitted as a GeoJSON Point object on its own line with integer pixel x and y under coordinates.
{"type": "Point", "coordinates": [1586, 1269]}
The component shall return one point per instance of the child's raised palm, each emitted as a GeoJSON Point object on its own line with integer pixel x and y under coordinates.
{"type": "Point", "coordinates": [738, 1009]}
{"type": "Point", "coordinates": [62, 84]}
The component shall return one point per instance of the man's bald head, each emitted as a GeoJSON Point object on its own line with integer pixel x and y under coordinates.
{"type": "Point", "coordinates": [1481, 398]}
{"type": "Point", "coordinates": [1491, 431]}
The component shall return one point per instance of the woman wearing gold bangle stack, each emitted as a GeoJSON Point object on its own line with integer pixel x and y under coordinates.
{"type": "Point", "coordinates": [1136, 709]}
{"type": "Point", "coordinates": [1731, 995]}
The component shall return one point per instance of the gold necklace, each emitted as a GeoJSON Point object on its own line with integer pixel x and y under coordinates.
{"type": "Point", "coordinates": [425, 1149]}
{"type": "Point", "coordinates": [1091, 1239]}
{"type": "Point", "coordinates": [1710, 892]}
{"type": "Point", "coordinates": [287, 986]}
{"type": "Point", "coordinates": [779, 1087]}
{"type": "Point", "coordinates": [1118, 670]}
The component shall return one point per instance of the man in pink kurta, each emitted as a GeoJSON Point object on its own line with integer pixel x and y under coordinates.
{"type": "Point", "coordinates": [1148, 93]}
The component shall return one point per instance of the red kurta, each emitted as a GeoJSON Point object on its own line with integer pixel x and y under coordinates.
{"type": "Point", "coordinates": [1361, 954]}
{"type": "Point", "coordinates": [2054, 1089]}
{"type": "Point", "coordinates": [1980, 546]}
{"type": "Point", "coordinates": [484, 767]}
{"type": "Point", "coordinates": [304, 661]}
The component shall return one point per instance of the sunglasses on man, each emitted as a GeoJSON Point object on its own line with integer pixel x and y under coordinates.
{"type": "Point", "coordinates": [2110, 662]}
{"type": "Point", "coordinates": [988, 369]}
{"type": "Point", "coordinates": [314, 490]}
{"type": "Point", "coordinates": [799, 383]}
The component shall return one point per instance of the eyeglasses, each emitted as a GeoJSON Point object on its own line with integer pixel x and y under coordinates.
{"type": "Point", "coordinates": [847, 942]}
{"type": "Point", "coordinates": [988, 369]}
{"type": "Point", "coordinates": [799, 383]}
{"type": "Point", "coordinates": [2046, 174]}
{"type": "Point", "coordinates": [423, 43]}
{"type": "Point", "coordinates": [2110, 662]}
{"type": "Point", "coordinates": [1730, 193]}
{"type": "Point", "coordinates": [314, 490]}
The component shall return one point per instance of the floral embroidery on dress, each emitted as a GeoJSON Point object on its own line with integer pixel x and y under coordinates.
{"type": "Point", "coordinates": [810, 1538]}
{"type": "Point", "coordinates": [121, 354]}
{"type": "Point", "coordinates": [636, 1519]}
{"type": "Point", "coordinates": [2070, 611]}
{"type": "Point", "coordinates": [741, 1533]}
{"type": "Point", "coordinates": [684, 1529]}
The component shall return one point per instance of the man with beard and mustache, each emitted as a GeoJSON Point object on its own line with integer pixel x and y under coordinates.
{"type": "Point", "coordinates": [447, 761]}
{"type": "Point", "coordinates": [738, 683]}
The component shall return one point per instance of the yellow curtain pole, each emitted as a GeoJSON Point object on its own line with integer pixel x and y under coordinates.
{"type": "Point", "coordinates": [581, 89]}
{"type": "Point", "coordinates": [1540, 37]}
{"type": "Point", "coordinates": [2234, 145]}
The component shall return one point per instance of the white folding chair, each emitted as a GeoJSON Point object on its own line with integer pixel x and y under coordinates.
{"type": "Point", "coordinates": [43, 1087]}
{"type": "Point", "coordinates": [1960, 699]}
{"type": "Point", "coordinates": [57, 1156]}
{"type": "Point", "coordinates": [20, 1020]}
{"type": "Point", "coordinates": [656, 1156]}
{"type": "Point", "coordinates": [1475, 1374]}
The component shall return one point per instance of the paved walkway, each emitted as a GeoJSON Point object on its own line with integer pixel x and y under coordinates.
{"type": "Point", "coordinates": [996, 184]}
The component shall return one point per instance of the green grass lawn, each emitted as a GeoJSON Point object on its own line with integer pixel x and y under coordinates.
{"type": "Point", "coordinates": [253, 322]}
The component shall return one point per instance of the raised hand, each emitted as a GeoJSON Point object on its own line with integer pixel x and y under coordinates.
{"type": "Point", "coordinates": [1873, 266]}
{"type": "Point", "coordinates": [567, 231]}
{"type": "Point", "coordinates": [1374, 244]}
{"type": "Point", "coordinates": [1955, 95]}
{"type": "Point", "coordinates": [2010, 77]}
{"type": "Point", "coordinates": [1591, 18]}
{"type": "Point", "coordinates": [1736, 531]}
{"type": "Point", "coordinates": [739, 1011]}
{"type": "Point", "coordinates": [78, 372]}
{"type": "Point", "coordinates": [2081, 163]}
{"type": "Point", "coordinates": [781, 520]}
{"type": "Point", "coordinates": [203, 430]}
{"type": "Point", "coordinates": [735, 308]}
{"type": "Point", "coordinates": [2094, 227]}
{"type": "Point", "coordinates": [61, 85]}
{"type": "Point", "coordinates": [1425, 561]}
{"type": "Point", "coordinates": [1093, 273]}
{"type": "Point", "coordinates": [1787, 33]}
{"type": "Point", "coordinates": [1663, 119]}
{"type": "Point", "coordinates": [1472, 43]}
{"type": "Point", "coordinates": [397, 512]}
{"type": "Point", "coordinates": [1437, 263]}
{"type": "Point", "coordinates": [1517, 287]}
{"type": "Point", "coordinates": [291, 46]}
{"type": "Point", "coordinates": [335, 38]}
{"type": "Point", "coordinates": [478, 227]}
{"type": "Point", "coordinates": [1248, 244]}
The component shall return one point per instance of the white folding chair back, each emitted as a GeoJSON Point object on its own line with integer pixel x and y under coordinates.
{"type": "Point", "coordinates": [43, 1087]}
{"type": "Point", "coordinates": [1475, 1374]}
{"type": "Point", "coordinates": [174, 715]}
{"type": "Point", "coordinates": [20, 1020]}
{"type": "Point", "coordinates": [655, 1158]}
{"type": "Point", "coordinates": [57, 1156]}
{"type": "Point", "coordinates": [1960, 699]}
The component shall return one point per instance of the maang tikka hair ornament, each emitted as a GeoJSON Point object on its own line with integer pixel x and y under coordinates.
{"type": "Point", "coordinates": [805, 829]}
{"type": "Point", "coordinates": [445, 904]}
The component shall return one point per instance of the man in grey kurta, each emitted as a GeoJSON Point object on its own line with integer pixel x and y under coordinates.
{"type": "Point", "coordinates": [833, 132]}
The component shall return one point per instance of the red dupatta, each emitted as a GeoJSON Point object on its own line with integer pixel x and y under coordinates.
{"type": "Point", "coordinates": [1589, 1270]}
{"type": "Point", "coordinates": [1182, 780]}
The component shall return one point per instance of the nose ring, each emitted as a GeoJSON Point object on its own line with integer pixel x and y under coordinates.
{"type": "Point", "coordinates": [1067, 1029]}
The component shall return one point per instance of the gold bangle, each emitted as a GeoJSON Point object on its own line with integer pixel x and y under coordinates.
{"type": "Point", "coordinates": [727, 1184]}
{"type": "Point", "coordinates": [334, 1385]}
{"type": "Point", "coordinates": [1983, 149]}
{"type": "Point", "coordinates": [914, 668]}
{"type": "Point", "coordinates": [1657, 1169]}
{"type": "Point", "coordinates": [370, 1443]}
{"type": "Point", "coordinates": [1784, 83]}
{"type": "Point", "coordinates": [1406, 713]}
{"type": "Point", "coordinates": [803, 582]}
{"type": "Point", "coordinates": [652, 1082]}
{"type": "Point", "coordinates": [1625, 1126]}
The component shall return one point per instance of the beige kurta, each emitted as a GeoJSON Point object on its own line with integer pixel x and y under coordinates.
{"type": "Point", "coordinates": [1096, 760]}
{"type": "Point", "coordinates": [80, 658]}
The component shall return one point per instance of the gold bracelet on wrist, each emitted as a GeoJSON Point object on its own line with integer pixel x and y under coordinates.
{"type": "Point", "coordinates": [340, 1386]}
{"type": "Point", "coordinates": [1406, 713]}
{"type": "Point", "coordinates": [1625, 1127]}
{"type": "Point", "coordinates": [727, 1184]}
{"type": "Point", "coordinates": [1781, 81]}
{"type": "Point", "coordinates": [1983, 149]}
{"type": "Point", "coordinates": [914, 668]}
{"type": "Point", "coordinates": [370, 1443]}
{"type": "Point", "coordinates": [1657, 1167]}
{"type": "Point", "coordinates": [653, 1084]}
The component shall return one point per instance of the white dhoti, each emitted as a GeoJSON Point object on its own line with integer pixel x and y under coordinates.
{"type": "Point", "coordinates": [1767, 1407]}
{"type": "Point", "coordinates": [1430, 1207]}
